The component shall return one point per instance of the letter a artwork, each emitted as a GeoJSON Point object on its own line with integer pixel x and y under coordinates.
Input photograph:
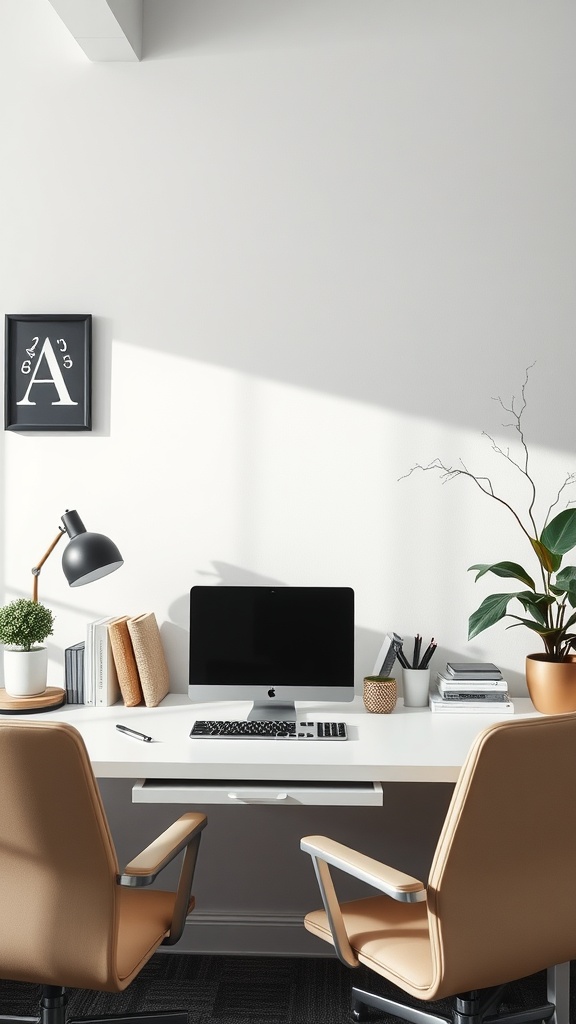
{"type": "Point", "coordinates": [47, 352]}
{"type": "Point", "coordinates": [48, 380]}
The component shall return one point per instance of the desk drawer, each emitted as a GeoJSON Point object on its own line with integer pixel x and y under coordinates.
{"type": "Point", "coordinates": [202, 791]}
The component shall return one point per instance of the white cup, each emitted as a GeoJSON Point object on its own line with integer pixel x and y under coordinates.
{"type": "Point", "coordinates": [416, 687]}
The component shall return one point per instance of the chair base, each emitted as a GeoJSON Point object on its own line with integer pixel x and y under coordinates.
{"type": "Point", "coordinates": [469, 1008]}
{"type": "Point", "coordinates": [131, 1018]}
{"type": "Point", "coordinates": [52, 1010]}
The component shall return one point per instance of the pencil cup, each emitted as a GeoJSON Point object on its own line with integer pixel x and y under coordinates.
{"type": "Point", "coordinates": [380, 694]}
{"type": "Point", "coordinates": [416, 687]}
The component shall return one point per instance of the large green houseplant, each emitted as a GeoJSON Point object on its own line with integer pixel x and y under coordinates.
{"type": "Point", "coordinates": [24, 625]}
{"type": "Point", "coordinates": [547, 596]}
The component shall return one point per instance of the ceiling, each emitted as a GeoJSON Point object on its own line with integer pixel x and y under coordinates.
{"type": "Point", "coordinates": [104, 29]}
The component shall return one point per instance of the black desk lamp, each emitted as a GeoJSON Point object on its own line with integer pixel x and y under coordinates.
{"type": "Point", "coordinates": [87, 556]}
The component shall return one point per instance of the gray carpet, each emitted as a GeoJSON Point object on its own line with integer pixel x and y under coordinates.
{"type": "Point", "coordinates": [243, 990]}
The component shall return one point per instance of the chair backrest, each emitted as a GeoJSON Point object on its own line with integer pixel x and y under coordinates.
{"type": "Point", "coordinates": [58, 865]}
{"type": "Point", "coordinates": [502, 895]}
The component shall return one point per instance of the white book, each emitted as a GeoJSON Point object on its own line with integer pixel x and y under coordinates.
{"type": "Point", "coordinates": [88, 665]}
{"type": "Point", "coordinates": [461, 707]}
{"type": "Point", "coordinates": [449, 685]}
{"type": "Point", "coordinates": [90, 662]}
{"type": "Point", "coordinates": [481, 697]}
{"type": "Point", "coordinates": [106, 685]}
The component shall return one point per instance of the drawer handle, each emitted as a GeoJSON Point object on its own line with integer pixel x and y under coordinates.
{"type": "Point", "coordinates": [246, 798]}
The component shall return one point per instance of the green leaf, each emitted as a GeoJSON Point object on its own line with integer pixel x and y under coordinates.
{"type": "Point", "coordinates": [536, 604]}
{"type": "Point", "coordinates": [492, 609]}
{"type": "Point", "coordinates": [566, 578]}
{"type": "Point", "coordinates": [560, 534]}
{"type": "Point", "coordinates": [529, 623]}
{"type": "Point", "coordinates": [566, 584]}
{"type": "Point", "coordinates": [550, 561]}
{"type": "Point", "coordinates": [504, 569]}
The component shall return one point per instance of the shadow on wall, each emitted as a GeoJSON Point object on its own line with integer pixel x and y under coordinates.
{"type": "Point", "coordinates": [412, 282]}
{"type": "Point", "coordinates": [176, 631]}
{"type": "Point", "coordinates": [367, 642]}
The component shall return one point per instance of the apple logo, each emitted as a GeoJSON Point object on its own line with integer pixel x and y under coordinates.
{"type": "Point", "coordinates": [272, 692]}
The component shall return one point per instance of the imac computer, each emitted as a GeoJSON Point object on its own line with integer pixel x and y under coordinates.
{"type": "Point", "coordinates": [272, 646]}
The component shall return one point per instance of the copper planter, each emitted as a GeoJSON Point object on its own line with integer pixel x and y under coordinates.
{"type": "Point", "coordinates": [551, 684]}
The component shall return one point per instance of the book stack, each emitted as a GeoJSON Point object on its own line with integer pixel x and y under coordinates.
{"type": "Point", "coordinates": [471, 686]}
{"type": "Point", "coordinates": [125, 659]}
{"type": "Point", "coordinates": [74, 673]}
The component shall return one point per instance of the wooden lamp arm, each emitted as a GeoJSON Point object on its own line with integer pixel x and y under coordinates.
{"type": "Point", "coordinates": [37, 568]}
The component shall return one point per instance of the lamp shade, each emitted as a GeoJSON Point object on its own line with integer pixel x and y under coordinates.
{"type": "Point", "coordinates": [87, 556]}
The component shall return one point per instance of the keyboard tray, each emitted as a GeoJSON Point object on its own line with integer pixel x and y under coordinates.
{"type": "Point", "coordinates": [194, 792]}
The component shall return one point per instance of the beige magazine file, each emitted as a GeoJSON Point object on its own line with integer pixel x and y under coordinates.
{"type": "Point", "coordinates": [150, 658]}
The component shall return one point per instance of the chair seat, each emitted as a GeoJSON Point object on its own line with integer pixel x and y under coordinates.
{"type": "Point", "coordinates": [145, 917]}
{"type": "Point", "coordinates": [377, 929]}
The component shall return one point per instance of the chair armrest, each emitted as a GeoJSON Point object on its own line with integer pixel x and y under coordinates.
{"type": "Point", "coordinates": [400, 886]}
{"type": "Point", "coordinates": [325, 852]}
{"type": "Point", "coordinates": [183, 834]}
{"type": "Point", "coordinates": [144, 868]}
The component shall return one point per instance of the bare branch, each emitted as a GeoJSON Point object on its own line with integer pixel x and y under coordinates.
{"type": "Point", "coordinates": [499, 451]}
{"type": "Point", "coordinates": [450, 473]}
{"type": "Point", "coordinates": [517, 425]}
{"type": "Point", "coordinates": [557, 641]}
{"type": "Point", "coordinates": [483, 482]}
{"type": "Point", "coordinates": [570, 479]}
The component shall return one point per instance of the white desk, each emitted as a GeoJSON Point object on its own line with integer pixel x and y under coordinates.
{"type": "Point", "coordinates": [409, 745]}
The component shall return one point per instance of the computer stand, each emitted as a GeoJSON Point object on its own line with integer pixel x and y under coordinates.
{"type": "Point", "coordinates": [265, 711]}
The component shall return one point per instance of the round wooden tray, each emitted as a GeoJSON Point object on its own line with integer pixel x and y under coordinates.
{"type": "Point", "coordinates": [52, 697]}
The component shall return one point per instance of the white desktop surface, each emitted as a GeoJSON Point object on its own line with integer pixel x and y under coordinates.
{"type": "Point", "coordinates": [409, 745]}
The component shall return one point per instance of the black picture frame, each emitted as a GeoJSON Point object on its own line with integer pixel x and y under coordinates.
{"type": "Point", "coordinates": [48, 372]}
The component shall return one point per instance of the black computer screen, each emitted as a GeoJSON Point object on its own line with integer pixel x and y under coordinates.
{"type": "Point", "coordinates": [294, 638]}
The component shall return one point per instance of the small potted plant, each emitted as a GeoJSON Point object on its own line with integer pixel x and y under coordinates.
{"type": "Point", "coordinates": [549, 605]}
{"type": "Point", "coordinates": [24, 625]}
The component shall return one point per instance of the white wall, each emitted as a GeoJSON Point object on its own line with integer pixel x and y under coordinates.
{"type": "Point", "coordinates": [316, 238]}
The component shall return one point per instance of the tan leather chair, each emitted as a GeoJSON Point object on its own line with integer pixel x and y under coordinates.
{"type": "Point", "coordinates": [68, 917]}
{"type": "Point", "coordinates": [500, 901]}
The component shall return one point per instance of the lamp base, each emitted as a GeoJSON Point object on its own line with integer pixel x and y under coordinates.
{"type": "Point", "coordinates": [52, 697]}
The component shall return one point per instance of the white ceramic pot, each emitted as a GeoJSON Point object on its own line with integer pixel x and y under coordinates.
{"type": "Point", "coordinates": [25, 672]}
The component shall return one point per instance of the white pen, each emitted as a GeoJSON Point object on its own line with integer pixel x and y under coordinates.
{"type": "Point", "coordinates": [136, 735]}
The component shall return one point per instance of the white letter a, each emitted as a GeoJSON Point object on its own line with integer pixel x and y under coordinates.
{"type": "Point", "coordinates": [56, 379]}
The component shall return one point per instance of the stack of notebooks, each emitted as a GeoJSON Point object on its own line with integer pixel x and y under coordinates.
{"type": "Point", "coordinates": [122, 658]}
{"type": "Point", "coordinates": [471, 686]}
{"type": "Point", "coordinates": [74, 673]}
